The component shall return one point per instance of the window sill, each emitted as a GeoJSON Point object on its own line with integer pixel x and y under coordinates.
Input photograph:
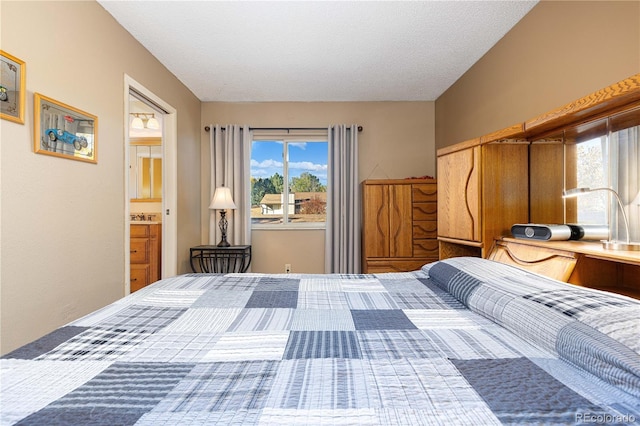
{"type": "Point", "coordinates": [290, 227]}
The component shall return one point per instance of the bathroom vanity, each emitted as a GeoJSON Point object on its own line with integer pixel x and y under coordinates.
{"type": "Point", "coordinates": [145, 250]}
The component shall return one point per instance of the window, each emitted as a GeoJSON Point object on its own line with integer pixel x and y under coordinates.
{"type": "Point", "coordinates": [605, 153]}
{"type": "Point", "coordinates": [289, 181]}
{"type": "Point", "coordinates": [592, 173]}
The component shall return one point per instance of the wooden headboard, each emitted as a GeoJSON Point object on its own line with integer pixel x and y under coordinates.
{"type": "Point", "coordinates": [583, 263]}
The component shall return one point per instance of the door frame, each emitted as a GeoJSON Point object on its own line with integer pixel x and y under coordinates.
{"type": "Point", "coordinates": [169, 182]}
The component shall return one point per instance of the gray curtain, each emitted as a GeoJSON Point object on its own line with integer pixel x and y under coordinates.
{"type": "Point", "coordinates": [625, 179]}
{"type": "Point", "coordinates": [230, 151]}
{"type": "Point", "coordinates": [342, 241]}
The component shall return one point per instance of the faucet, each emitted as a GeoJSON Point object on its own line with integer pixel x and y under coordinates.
{"type": "Point", "coordinates": [140, 216]}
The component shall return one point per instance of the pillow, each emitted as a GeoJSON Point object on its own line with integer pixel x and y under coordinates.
{"type": "Point", "coordinates": [595, 330]}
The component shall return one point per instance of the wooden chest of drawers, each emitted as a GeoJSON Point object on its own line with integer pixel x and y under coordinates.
{"type": "Point", "coordinates": [399, 224]}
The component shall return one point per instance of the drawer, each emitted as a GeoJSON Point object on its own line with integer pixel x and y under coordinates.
{"type": "Point", "coordinates": [390, 265]}
{"type": "Point", "coordinates": [139, 250]}
{"type": "Point", "coordinates": [139, 231]}
{"type": "Point", "coordinates": [139, 277]}
{"type": "Point", "coordinates": [425, 192]}
{"type": "Point", "coordinates": [426, 248]}
{"type": "Point", "coordinates": [425, 211]}
{"type": "Point", "coordinates": [425, 229]}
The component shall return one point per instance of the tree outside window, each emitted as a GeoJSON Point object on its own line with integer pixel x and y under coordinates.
{"type": "Point", "coordinates": [289, 183]}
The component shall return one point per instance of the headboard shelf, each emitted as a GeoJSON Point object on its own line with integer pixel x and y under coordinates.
{"type": "Point", "coordinates": [582, 263]}
{"type": "Point", "coordinates": [517, 175]}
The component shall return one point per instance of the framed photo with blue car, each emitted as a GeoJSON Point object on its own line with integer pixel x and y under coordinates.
{"type": "Point", "coordinates": [63, 131]}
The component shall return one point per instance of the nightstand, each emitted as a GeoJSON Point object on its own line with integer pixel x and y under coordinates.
{"type": "Point", "coordinates": [214, 259]}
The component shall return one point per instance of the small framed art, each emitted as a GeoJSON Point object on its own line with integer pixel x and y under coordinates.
{"type": "Point", "coordinates": [12, 88]}
{"type": "Point", "coordinates": [64, 131]}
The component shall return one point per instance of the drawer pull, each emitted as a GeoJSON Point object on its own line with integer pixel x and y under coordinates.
{"type": "Point", "coordinates": [134, 279]}
{"type": "Point", "coordinates": [134, 251]}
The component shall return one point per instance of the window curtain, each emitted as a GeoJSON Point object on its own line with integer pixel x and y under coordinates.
{"type": "Point", "coordinates": [342, 241]}
{"type": "Point", "coordinates": [230, 150]}
{"type": "Point", "coordinates": [625, 179]}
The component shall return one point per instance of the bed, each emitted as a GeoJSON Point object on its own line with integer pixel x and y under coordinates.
{"type": "Point", "coordinates": [461, 341]}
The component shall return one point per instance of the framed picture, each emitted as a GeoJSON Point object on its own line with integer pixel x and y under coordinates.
{"type": "Point", "coordinates": [64, 131]}
{"type": "Point", "coordinates": [12, 88]}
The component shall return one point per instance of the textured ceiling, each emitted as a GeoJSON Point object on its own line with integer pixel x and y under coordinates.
{"type": "Point", "coordinates": [238, 51]}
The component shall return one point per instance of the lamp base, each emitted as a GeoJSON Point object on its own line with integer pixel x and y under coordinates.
{"type": "Point", "coordinates": [620, 246]}
{"type": "Point", "coordinates": [223, 229]}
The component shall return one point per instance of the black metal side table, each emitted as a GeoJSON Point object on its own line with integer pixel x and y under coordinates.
{"type": "Point", "coordinates": [214, 259]}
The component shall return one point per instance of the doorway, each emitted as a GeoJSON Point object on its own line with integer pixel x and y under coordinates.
{"type": "Point", "coordinates": [150, 177]}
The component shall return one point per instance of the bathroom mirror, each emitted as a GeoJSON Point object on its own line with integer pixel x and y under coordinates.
{"type": "Point", "coordinates": [145, 169]}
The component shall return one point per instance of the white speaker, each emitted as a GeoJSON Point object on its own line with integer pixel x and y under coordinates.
{"type": "Point", "coordinates": [534, 231]}
{"type": "Point", "coordinates": [589, 232]}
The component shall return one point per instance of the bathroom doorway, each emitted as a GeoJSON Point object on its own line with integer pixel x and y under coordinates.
{"type": "Point", "coordinates": [150, 187]}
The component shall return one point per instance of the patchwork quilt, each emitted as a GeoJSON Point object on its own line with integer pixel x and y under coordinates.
{"type": "Point", "coordinates": [461, 341]}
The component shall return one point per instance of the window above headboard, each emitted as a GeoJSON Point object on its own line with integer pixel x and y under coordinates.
{"type": "Point", "coordinates": [596, 153]}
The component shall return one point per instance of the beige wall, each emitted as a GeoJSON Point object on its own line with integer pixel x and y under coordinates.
{"type": "Point", "coordinates": [397, 142]}
{"type": "Point", "coordinates": [302, 249]}
{"type": "Point", "coordinates": [559, 52]}
{"type": "Point", "coordinates": [62, 221]}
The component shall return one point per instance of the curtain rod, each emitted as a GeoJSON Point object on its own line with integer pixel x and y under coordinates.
{"type": "Point", "coordinates": [207, 128]}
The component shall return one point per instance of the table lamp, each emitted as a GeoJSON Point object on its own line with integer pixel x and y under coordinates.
{"type": "Point", "coordinates": [222, 201]}
{"type": "Point", "coordinates": [608, 244]}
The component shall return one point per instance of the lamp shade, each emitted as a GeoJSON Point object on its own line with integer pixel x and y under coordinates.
{"type": "Point", "coordinates": [608, 245]}
{"type": "Point", "coordinates": [137, 123]}
{"type": "Point", "coordinates": [153, 123]}
{"type": "Point", "coordinates": [574, 192]}
{"type": "Point", "coordinates": [222, 199]}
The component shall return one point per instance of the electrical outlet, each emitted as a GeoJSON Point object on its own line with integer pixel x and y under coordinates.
{"type": "Point", "coordinates": [287, 268]}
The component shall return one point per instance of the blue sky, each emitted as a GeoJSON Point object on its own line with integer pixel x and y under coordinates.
{"type": "Point", "coordinates": [266, 159]}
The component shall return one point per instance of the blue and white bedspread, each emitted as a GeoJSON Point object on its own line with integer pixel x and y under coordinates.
{"type": "Point", "coordinates": [462, 341]}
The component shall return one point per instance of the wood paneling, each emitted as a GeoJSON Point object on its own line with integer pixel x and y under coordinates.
{"type": "Point", "coordinates": [546, 176]}
{"type": "Point", "coordinates": [505, 189]}
{"type": "Point", "coordinates": [612, 97]}
{"type": "Point", "coordinates": [513, 132]}
{"type": "Point", "coordinates": [459, 194]}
